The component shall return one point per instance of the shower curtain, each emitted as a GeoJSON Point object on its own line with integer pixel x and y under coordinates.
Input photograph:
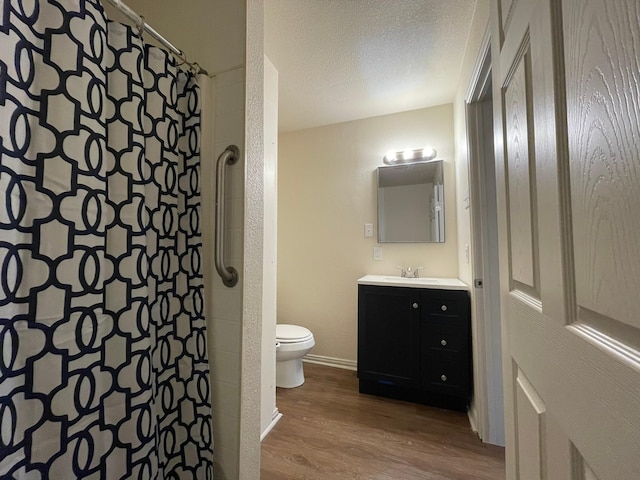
{"type": "Point", "coordinates": [103, 365]}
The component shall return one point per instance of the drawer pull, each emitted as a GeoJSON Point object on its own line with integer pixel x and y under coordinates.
{"type": "Point", "coordinates": [415, 305]}
{"type": "Point", "coordinates": [443, 378]}
{"type": "Point", "coordinates": [443, 342]}
{"type": "Point", "coordinates": [443, 308]}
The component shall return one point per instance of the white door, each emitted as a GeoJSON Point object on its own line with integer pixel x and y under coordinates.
{"type": "Point", "coordinates": [567, 128]}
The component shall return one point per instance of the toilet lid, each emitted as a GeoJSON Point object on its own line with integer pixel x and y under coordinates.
{"type": "Point", "coordinates": [292, 333]}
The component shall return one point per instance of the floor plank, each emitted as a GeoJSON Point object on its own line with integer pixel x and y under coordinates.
{"type": "Point", "coordinates": [330, 431]}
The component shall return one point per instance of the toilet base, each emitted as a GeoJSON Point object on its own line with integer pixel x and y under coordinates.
{"type": "Point", "coordinates": [289, 373]}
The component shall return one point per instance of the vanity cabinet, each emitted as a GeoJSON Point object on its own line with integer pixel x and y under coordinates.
{"type": "Point", "coordinates": [414, 344]}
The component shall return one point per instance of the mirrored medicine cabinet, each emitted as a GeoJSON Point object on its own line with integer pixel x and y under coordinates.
{"type": "Point", "coordinates": [411, 203]}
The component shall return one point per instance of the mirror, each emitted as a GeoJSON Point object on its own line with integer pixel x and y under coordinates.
{"type": "Point", "coordinates": [411, 202]}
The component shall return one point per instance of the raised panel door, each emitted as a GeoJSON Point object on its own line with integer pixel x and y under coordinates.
{"type": "Point", "coordinates": [567, 135]}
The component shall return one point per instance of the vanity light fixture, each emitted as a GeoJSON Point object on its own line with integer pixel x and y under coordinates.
{"type": "Point", "coordinates": [409, 156]}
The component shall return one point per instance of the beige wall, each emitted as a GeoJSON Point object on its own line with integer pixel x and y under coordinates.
{"type": "Point", "coordinates": [269, 412]}
{"type": "Point", "coordinates": [210, 32]}
{"type": "Point", "coordinates": [326, 193]}
{"type": "Point", "coordinates": [478, 28]}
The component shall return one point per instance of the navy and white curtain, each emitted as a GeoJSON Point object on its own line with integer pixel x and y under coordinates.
{"type": "Point", "coordinates": [103, 365]}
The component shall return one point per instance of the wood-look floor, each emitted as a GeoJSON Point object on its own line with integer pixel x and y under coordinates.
{"type": "Point", "coordinates": [330, 431]}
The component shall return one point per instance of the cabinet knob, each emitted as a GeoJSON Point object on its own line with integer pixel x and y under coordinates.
{"type": "Point", "coordinates": [443, 342]}
{"type": "Point", "coordinates": [415, 305]}
{"type": "Point", "coordinates": [443, 378]}
{"type": "Point", "coordinates": [443, 308]}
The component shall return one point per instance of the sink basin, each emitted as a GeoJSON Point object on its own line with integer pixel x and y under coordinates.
{"type": "Point", "coordinates": [422, 281]}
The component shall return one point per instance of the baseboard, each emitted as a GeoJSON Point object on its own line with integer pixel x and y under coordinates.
{"type": "Point", "coordinates": [473, 419]}
{"type": "Point", "coordinates": [331, 362]}
{"type": "Point", "coordinates": [274, 419]}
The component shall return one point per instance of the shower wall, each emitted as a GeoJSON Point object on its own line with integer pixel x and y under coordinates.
{"type": "Point", "coordinates": [224, 315]}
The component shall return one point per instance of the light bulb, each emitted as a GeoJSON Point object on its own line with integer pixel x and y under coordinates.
{"type": "Point", "coordinates": [429, 152]}
{"type": "Point", "coordinates": [390, 156]}
{"type": "Point", "coordinates": [407, 154]}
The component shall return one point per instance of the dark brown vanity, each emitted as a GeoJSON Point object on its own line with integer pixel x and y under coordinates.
{"type": "Point", "coordinates": [414, 340]}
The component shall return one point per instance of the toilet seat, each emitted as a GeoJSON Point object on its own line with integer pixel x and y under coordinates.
{"type": "Point", "coordinates": [292, 333]}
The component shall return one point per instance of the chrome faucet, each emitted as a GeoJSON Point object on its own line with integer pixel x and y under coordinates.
{"type": "Point", "coordinates": [410, 272]}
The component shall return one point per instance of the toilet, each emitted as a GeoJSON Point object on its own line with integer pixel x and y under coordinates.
{"type": "Point", "coordinates": [292, 343]}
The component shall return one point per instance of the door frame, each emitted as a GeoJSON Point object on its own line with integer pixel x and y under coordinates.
{"type": "Point", "coordinates": [488, 382]}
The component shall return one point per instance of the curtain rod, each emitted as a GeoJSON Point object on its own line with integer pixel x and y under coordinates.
{"type": "Point", "coordinates": [142, 25]}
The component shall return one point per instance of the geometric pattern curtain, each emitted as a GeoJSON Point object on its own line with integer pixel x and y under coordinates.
{"type": "Point", "coordinates": [103, 364]}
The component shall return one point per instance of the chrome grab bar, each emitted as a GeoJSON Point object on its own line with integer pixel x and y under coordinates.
{"type": "Point", "coordinates": [229, 275]}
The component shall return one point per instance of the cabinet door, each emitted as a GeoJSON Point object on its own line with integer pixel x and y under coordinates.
{"type": "Point", "coordinates": [389, 335]}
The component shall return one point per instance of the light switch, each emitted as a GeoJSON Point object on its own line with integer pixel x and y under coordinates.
{"type": "Point", "coordinates": [377, 253]}
{"type": "Point", "coordinates": [368, 229]}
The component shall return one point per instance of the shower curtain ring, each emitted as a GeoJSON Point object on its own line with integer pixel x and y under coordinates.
{"type": "Point", "coordinates": [182, 57]}
{"type": "Point", "coordinates": [195, 68]}
{"type": "Point", "coordinates": [141, 26]}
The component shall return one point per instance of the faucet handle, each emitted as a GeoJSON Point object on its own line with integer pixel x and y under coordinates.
{"type": "Point", "coordinates": [416, 272]}
{"type": "Point", "coordinates": [403, 272]}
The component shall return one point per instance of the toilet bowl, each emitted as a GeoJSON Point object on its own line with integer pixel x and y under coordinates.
{"type": "Point", "coordinates": [292, 343]}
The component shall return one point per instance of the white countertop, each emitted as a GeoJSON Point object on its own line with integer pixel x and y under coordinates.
{"type": "Point", "coordinates": [423, 282]}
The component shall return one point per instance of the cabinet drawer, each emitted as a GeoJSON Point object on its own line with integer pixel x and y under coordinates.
{"type": "Point", "coordinates": [447, 306]}
{"type": "Point", "coordinates": [449, 334]}
{"type": "Point", "coordinates": [445, 374]}
{"type": "Point", "coordinates": [445, 341]}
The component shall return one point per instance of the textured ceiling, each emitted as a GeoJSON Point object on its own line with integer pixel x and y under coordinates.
{"type": "Point", "coordinates": [341, 60]}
